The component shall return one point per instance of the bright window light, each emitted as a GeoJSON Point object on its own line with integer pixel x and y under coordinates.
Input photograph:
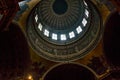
{"type": "Point", "coordinates": [85, 3]}
{"type": "Point", "coordinates": [71, 34]}
{"type": "Point", "coordinates": [36, 18]}
{"type": "Point", "coordinates": [86, 12]}
{"type": "Point", "coordinates": [79, 29]}
{"type": "Point", "coordinates": [46, 33]}
{"type": "Point", "coordinates": [63, 37]}
{"type": "Point", "coordinates": [22, 3]}
{"type": "Point", "coordinates": [40, 26]}
{"type": "Point", "coordinates": [84, 22]}
{"type": "Point", "coordinates": [54, 36]}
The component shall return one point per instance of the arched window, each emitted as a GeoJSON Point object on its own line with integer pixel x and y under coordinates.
{"type": "Point", "coordinates": [71, 34]}
{"type": "Point", "coordinates": [46, 33]}
{"type": "Point", "coordinates": [79, 29]}
{"type": "Point", "coordinates": [84, 22]}
{"type": "Point", "coordinates": [36, 18]}
{"type": "Point", "coordinates": [63, 37]}
{"type": "Point", "coordinates": [40, 26]}
{"type": "Point", "coordinates": [54, 36]}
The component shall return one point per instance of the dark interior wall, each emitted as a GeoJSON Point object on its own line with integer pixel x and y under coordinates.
{"type": "Point", "coordinates": [14, 53]}
{"type": "Point", "coordinates": [112, 39]}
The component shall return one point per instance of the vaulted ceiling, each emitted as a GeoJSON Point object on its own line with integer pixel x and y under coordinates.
{"type": "Point", "coordinates": [18, 58]}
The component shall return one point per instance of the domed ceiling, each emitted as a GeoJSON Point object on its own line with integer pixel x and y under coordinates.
{"type": "Point", "coordinates": [69, 71]}
{"type": "Point", "coordinates": [63, 30]}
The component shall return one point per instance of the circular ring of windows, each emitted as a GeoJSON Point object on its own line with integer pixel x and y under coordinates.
{"type": "Point", "coordinates": [64, 36]}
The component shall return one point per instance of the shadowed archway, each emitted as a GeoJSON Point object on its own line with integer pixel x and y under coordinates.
{"type": "Point", "coordinates": [14, 53]}
{"type": "Point", "coordinates": [111, 39]}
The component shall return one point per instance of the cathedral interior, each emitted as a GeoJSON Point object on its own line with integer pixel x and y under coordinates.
{"type": "Point", "coordinates": [59, 40]}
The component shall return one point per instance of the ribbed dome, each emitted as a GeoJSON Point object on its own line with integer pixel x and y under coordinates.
{"type": "Point", "coordinates": [62, 21]}
{"type": "Point", "coordinates": [63, 35]}
{"type": "Point", "coordinates": [61, 14]}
